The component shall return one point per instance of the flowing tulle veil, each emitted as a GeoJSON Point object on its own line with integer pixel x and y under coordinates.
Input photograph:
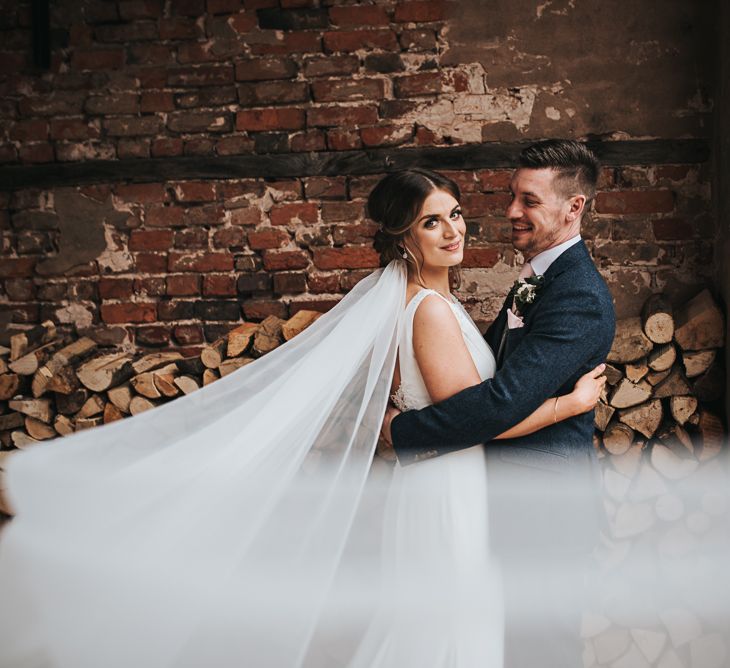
{"type": "Point", "coordinates": [186, 535]}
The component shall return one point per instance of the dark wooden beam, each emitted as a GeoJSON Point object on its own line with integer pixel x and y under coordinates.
{"type": "Point", "coordinates": [334, 163]}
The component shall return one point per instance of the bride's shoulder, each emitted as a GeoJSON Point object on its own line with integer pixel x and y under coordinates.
{"type": "Point", "coordinates": [432, 312]}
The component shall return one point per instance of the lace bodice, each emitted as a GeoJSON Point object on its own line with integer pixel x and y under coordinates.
{"type": "Point", "coordinates": [412, 392]}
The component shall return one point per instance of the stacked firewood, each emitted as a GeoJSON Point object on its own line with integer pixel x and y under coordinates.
{"type": "Point", "coordinates": [665, 373]}
{"type": "Point", "coordinates": [51, 386]}
{"type": "Point", "coordinates": [659, 430]}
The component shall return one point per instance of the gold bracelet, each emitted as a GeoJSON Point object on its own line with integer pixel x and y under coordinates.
{"type": "Point", "coordinates": [555, 410]}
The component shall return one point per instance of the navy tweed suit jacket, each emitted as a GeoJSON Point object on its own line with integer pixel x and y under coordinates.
{"type": "Point", "coordinates": [567, 331]}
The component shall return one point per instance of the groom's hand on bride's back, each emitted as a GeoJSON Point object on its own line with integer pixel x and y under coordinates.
{"type": "Point", "coordinates": [384, 448]}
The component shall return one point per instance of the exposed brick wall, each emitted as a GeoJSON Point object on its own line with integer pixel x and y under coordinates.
{"type": "Point", "coordinates": [174, 263]}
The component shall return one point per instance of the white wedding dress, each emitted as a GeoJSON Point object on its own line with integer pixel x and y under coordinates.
{"type": "Point", "coordinates": [440, 604]}
{"type": "Point", "coordinates": [210, 530]}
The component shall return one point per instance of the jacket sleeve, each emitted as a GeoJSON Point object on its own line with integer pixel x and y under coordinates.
{"type": "Point", "coordinates": [568, 333]}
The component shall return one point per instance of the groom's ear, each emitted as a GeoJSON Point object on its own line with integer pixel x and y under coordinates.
{"type": "Point", "coordinates": [577, 204]}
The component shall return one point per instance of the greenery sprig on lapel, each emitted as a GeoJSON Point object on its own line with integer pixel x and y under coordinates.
{"type": "Point", "coordinates": [525, 291]}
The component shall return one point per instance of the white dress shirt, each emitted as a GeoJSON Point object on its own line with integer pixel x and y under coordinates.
{"type": "Point", "coordinates": [542, 261]}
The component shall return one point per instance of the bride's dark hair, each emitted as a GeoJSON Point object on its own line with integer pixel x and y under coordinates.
{"type": "Point", "coordinates": [394, 203]}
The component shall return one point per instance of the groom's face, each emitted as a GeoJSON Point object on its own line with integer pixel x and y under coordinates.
{"type": "Point", "coordinates": [537, 212]}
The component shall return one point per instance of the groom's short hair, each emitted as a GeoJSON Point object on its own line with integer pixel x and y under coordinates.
{"type": "Point", "coordinates": [575, 165]}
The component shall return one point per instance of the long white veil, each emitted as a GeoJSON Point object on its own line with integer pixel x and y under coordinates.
{"type": "Point", "coordinates": [184, 535]}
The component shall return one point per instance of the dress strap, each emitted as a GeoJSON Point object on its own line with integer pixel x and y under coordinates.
{"type": "Point", "coordinates": [421, 295]}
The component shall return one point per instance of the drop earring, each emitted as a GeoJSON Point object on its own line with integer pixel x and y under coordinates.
{"type": "Point", "coordinates": [405, 254]}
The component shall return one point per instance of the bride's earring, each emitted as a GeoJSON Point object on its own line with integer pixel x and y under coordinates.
{"type": "Point", "coordinates": [405, 254]}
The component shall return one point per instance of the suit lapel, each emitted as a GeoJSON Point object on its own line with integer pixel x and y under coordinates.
{"type": "Point", "coordinates": [576, 253]}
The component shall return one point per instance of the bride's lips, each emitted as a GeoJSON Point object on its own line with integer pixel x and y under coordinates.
{"type": "Point", "coordinates": [452, 247]}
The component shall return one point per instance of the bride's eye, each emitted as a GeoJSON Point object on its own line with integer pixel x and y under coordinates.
{"type": "Point", "coordinates": [456, 213]}
{"type": "Point", "coordinates": [430, 223]}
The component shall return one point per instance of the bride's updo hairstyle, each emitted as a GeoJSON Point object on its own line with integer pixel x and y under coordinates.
{"type": "Point", "coordinates": [394, 204]}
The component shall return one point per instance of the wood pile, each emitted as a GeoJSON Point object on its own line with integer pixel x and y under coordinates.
{"type": "Point", "coordinates": [665, 383]}
{"type": "Point", "coordinates": [52, 386]}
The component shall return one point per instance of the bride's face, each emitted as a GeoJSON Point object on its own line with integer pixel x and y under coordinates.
{"type": "Point", "coordinates": [439, 231]}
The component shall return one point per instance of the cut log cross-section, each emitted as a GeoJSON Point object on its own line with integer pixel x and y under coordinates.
{"type": "Point", "coordinates": [240, 339]}
{"type": "Point", "coordinates": [26, 341]}
{"type": "Point", "coordinates": [662, 357]}
{"type": "Point", "coordinates": [66, 356]}
{"type": "Point", "coordinates": [618, 437]}
{"type": "Point", "coordinates": [658, 319]}
{"type": "Point", "coordinates": [627, 394]}
{"type": "Point", "coordinates": [644, 418]}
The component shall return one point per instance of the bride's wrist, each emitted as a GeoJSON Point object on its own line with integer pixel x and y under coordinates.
{"type": "Point", "coordinates": [569, 405]}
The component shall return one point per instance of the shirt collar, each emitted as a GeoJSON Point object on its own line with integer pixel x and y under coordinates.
{"type": "Point", "coordinates": [542, 261]}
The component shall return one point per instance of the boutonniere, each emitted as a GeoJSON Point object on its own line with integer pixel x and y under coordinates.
{"type": "Point", "coordinates": [526, 290]}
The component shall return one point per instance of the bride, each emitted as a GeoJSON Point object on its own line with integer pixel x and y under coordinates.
{"type": "Point", "coordinates": [242, 524]}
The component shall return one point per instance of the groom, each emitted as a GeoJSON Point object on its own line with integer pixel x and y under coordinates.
{"type": "Point", "coordinates": [542, 487]}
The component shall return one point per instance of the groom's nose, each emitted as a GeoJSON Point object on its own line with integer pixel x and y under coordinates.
{"type": "Point", "coordinates": [514, 210]}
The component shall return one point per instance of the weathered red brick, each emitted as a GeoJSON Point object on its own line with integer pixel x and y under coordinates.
{"type": "Point", "coordinates": [307, 41]}
{"type": "Point", "coordinates": [150, 240]}
{"type": "Point", "coordinates": [262, 69]}
{"type": "Point", "coordinates": [348, 41]}
{"type": "Point", "coordinates": [672, 229]}
{"type": "Point", "coordinates": [243, 22]}
{"type": "Point", "coordinates": [348, 257]}
{"type": "Point", "coordinates": [386, 135]}
{"type": "Point", "coordinates": [116, 103]}
{"type": "Point", "coordinates": [153, 286]}
{"type": "Point", "coordinates": [229, 237]}
{"type": "Point", "coordinates": [133, 148]}
{"type": "Point", "coordinates": [128, 312]}
{"type": "Point", "coordinates": [635, 201]}
{"type": "Point", "coordinates": [321, 305]}
{"type": "Point", "coordinates": [337, 90]}
{"type": "Point", "coordinates": [36, 153]}
{"type": "Point", "coordinates": [294, 213]}
{"type": "Point", "coordinates": [673, 172]}
{"type": "Point", "coordinates": [115, 288]}
{"type": "Point", "coordinates": [132, 126]}
{"type": "Point", "coordinates": [152, 335]}
{"type": "Point", "coordinates": [319, 283]}
{"type": "Point", "coordinates": [415, 85]}
{"type": "Point", "coordinates": [267, 237]}
{"type": "Point", "coordinates": [258, 309]}
{"type": "Point", "coordinates": [143, 193]}
{"type": "Point", "coordinates": [341, 211]}
{"type": "Point", "coordinates": [200, 75]}
{"type": "Point", "coordinates": [290, 282]}
{"type": "Point", "coordinates": [166, 147]}
{"type": "Point", "coordinates": [354, 233]}
{"type": "Point", "coordinates": [195, 191]}
{"type": "Point", "coordinates": [20, 289]}
{"type": "Point", "coordinates": [156, 101]}
{"type": "Point", "coordinates": [328, 66]}
{"type": "Point", "coordinates": [191, 238]}
{"type": "Point", "coordinates": [281, 260]}
{"type": "Point", "coordinates": [234, 145]}
{"type": "Point", "coordinates": [478, 204]}
{"type": "Point", "coordinates": [310, 140]}
{"type": "Point", "coordinates": [31, 130]}
{"type": "Point", "coordinates": [420, 11]}
{"type": "Point", "coordinates": [150, 262]}
{"type": "Point", "coordinates": [182, 285]}
{"type": "Point", "coordinates": [257, 120]}
{"type": "Point", "coordinates": [343, 139]}
{"type": "Point", "coordinates": [199, 146]}
{"type": "Point", "coordinates": [73, 128]}
{"type": "Point", "coordinates": [188, 334]}
{"type": "Point", "coordinates": [165, 216]}
{"type": "Point", "coordinates": [251, 215]}
{"type": "Point", "coordinates": [494, 180]}
{"type": "Point", "coordinates": [272, 92]}
{"type": "Point", "coordinates": [480, 257]}
{"type": "Point", "coordinates": [343, 116]}
{"type": "Point", "coordinates": [178, 27]}
{"type": "Point", "coordinates": [98, 59]}
{"type": "Point", "coordinates": [325, 187]}
{"type": "Point", "coordinates": [359, 15]}
{"type": "Point", "coordinates": [219, 285]}
{"type": "Point", "coordinates": [202, 262]}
